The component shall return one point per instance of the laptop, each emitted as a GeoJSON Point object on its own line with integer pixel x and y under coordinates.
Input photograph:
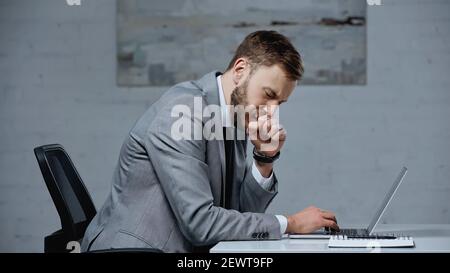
{"type": "Point", "coordinates": [364, 232]}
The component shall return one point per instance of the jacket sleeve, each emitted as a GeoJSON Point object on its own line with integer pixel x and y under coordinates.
{"type": "Point", "coordinates": [253, 197]}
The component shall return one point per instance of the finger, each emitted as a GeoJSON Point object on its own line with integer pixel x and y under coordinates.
{"type": "Point", "coordinates": [264, 128]}
{"type": "Point", "coordinates": [253, 113]}
{"type": "Point", "coordinates": [272, 111]}
{"type": "Point", "coordinates": [278, 134]}
{"type": "Point", "coordinates": [277, 128]}
{"type": "Point", "coordinates": [331, 219]}
{"type": "Point", "coordinates": [329, 215]}
{"type": "Point", "coordinates": [264, 123]}
{"type": "Point", "coordinates": [253, 130]}
{"type": "Point", "coordinates": [330, 224]}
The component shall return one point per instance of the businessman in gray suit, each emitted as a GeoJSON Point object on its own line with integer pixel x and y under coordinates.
{"type": "Point", "coordinates": [178, 192]}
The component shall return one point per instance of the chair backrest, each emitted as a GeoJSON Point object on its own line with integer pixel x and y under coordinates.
{"type": "Point", "coordinates": [70, 196]}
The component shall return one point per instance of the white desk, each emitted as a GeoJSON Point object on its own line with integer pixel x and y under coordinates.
{"type": "Point", "coordinates": [427, 238]}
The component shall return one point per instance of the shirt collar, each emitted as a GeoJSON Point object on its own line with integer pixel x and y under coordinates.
{"type": "Point", "coordinates": [226, 121]}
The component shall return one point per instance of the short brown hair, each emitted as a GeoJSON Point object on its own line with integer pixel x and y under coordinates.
{"type": "Point", "coordinates": [266, 47]}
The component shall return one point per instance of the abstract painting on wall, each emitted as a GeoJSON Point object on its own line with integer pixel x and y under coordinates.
{"type": "Point", "coordinates": [160, 43]}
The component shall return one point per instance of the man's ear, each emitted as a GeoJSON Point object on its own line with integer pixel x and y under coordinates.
{"type": "Point", "coordinates": [239, 70]}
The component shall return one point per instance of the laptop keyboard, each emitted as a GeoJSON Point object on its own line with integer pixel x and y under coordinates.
{"type": "Point", "coordinates": [350, 232]}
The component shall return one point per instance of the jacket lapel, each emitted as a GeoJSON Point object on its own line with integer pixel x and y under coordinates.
{"type": "Point", "coordinates": [208, 84]}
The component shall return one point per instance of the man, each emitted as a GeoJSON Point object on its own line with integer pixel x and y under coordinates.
{"type": "Point", "coordinates": [181, 194]}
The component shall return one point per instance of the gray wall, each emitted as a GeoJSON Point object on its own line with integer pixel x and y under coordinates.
{"type": "Point", "coordinates": [345, 144]}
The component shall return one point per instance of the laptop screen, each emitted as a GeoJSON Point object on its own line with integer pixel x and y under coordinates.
{"type": "Point", "coordinates": [386, 200]}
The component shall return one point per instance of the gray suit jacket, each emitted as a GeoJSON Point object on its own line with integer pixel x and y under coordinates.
{"type": "Point", "coordinates": [166, 193]}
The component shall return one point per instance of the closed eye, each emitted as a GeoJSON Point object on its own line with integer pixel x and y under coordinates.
{"type": "Point", "coordinates": [270, 94]}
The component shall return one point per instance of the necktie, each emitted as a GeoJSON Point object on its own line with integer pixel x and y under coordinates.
{"type": "Point", "coordinates": [229, 163]}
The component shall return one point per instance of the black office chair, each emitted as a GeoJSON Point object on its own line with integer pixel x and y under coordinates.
{"type": "Point", "coordinates": [71, 198]}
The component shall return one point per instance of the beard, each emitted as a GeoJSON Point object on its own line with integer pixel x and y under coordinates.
{"type": "Point", "coordinates": [239, 98]}
{"type": "Point", "coordinates": [239, 95]}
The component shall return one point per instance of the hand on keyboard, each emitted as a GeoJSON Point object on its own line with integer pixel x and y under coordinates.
{"type": "Point", "coordinates": [310, 220]}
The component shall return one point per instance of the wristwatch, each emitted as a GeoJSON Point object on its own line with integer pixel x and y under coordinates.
{"type": "Point", "coordinates": [264, 158]}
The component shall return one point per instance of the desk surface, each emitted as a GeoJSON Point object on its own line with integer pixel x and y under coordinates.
{"type": "Point", "coordinates": [427, 238]}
